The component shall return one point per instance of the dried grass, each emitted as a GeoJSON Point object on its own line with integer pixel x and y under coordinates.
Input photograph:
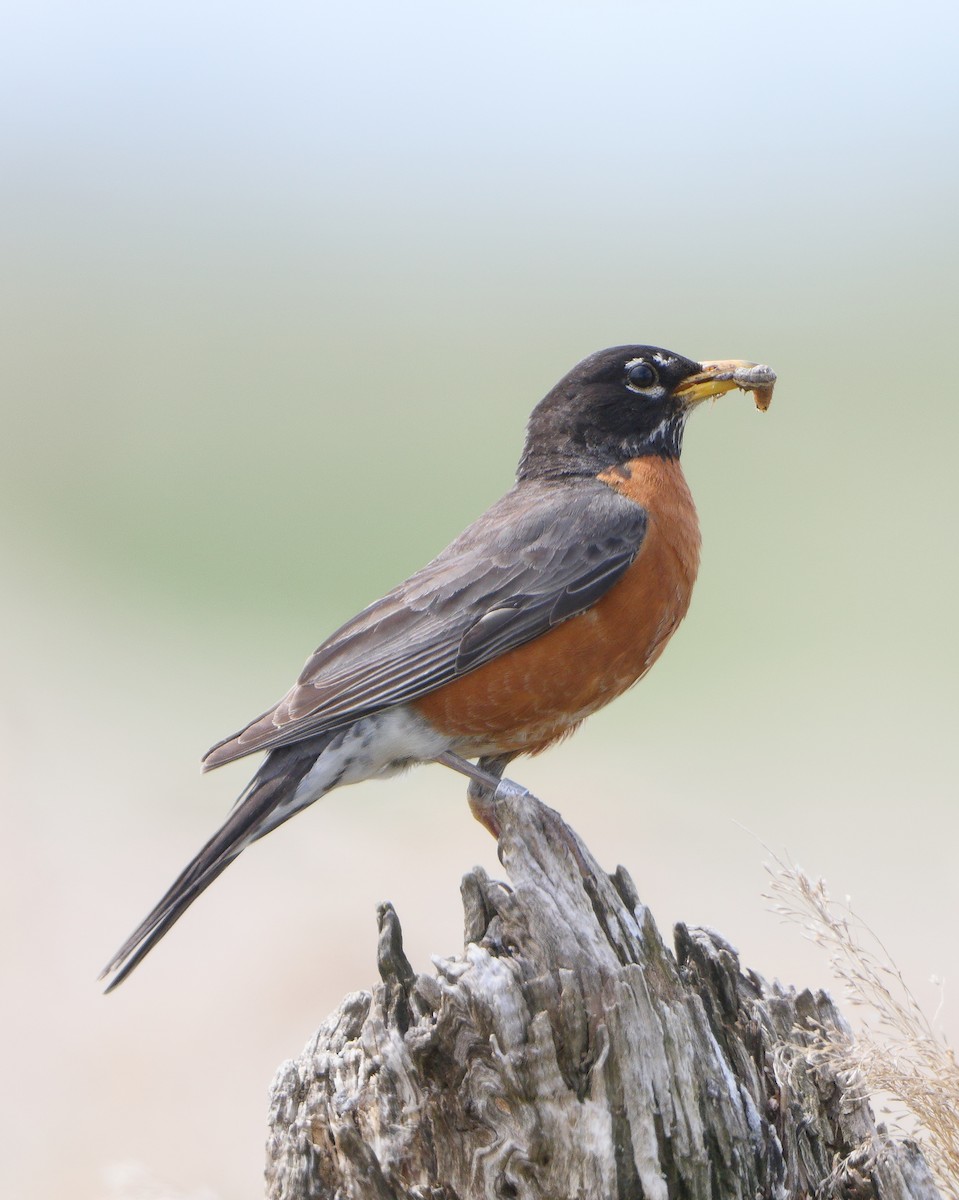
{"type": "Point", "coordinates": [897, 1051]}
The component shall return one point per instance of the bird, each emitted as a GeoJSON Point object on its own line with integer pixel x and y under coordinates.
{"type": "Point", "coordinates": [552, 603]}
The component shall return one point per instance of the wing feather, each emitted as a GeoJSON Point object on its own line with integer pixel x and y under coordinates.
{"type": "Point", "coordinates": [545, 552]}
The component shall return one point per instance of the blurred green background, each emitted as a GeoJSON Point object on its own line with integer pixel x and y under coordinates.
{"type": "Point", "coordinates": [280, 286]}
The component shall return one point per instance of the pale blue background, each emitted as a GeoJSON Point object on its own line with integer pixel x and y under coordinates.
{"type": "Point", "coordinates": [280, 285]}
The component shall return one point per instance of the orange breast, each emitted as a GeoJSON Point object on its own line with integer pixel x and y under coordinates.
{"type": "Point", "coordinates": [530, 696]}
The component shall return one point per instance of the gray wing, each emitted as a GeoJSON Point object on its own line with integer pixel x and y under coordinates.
{"type": "Point", "coordinates": [544, 552]}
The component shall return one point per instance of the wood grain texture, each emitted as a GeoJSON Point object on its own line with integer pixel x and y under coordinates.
{"type": "Point", "coordinates": [567, 1052]}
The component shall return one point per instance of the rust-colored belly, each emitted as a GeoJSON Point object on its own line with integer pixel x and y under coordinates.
{"type": "Point", "coordinates": [530, 696]}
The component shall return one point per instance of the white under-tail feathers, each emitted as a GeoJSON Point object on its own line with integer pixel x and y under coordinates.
{"type": "Point", "coordinates": [290, 779]}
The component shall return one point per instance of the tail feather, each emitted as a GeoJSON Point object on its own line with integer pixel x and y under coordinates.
{"type": "Point", "coordinates": [261, 808]}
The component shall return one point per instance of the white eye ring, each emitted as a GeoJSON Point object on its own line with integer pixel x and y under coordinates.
{"type": "Point", "coordinates": [640, 376]}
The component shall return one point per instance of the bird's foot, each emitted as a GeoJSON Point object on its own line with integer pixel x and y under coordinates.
{"type": "Point", "coordinates": [484, 806]}
{"type": "Point", "coordinates": [508, 789]}
{"type": "Point", "coordinates": [488, 789]}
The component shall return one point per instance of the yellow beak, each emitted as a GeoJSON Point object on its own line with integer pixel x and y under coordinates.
{"type": "Point", "coordinates": [725, 374]}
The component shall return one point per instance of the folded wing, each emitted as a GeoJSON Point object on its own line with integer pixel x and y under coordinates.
{"type": "Point", "coordinates": [545, 552]}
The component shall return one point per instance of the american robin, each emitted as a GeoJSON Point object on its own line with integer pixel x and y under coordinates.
{"type": "Point", "coordinates": [553, 602]}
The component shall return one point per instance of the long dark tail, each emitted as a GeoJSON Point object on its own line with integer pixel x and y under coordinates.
{"type": "Point", "coordinates": [266, 803]}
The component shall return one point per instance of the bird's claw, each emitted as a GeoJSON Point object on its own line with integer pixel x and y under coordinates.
{"type": "Point", "coordinates": [506, 789]}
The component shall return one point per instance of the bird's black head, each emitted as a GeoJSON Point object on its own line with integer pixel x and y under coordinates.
{"type": "Point", "coordinates": [624, 403]}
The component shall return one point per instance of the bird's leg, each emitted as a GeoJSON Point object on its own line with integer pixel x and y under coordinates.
{"type": "Point", "coordinates": [487, 785]}
{"type": "Point", "coordinates": [475, 772]}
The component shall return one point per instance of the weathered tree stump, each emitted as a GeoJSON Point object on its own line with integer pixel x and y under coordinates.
{"type": "Point", "coordinates": [568, 1053]}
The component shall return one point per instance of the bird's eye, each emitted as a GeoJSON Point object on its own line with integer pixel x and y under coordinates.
{"type": "Point", "coordinates": [641, 375]}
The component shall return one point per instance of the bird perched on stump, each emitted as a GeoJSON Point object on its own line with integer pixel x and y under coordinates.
{"type": "Point", "coordinates": [553, 602]}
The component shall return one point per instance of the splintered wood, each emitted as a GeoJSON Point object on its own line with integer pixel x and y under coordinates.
{"type": "Point", "coordinates": [567, 1052]}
